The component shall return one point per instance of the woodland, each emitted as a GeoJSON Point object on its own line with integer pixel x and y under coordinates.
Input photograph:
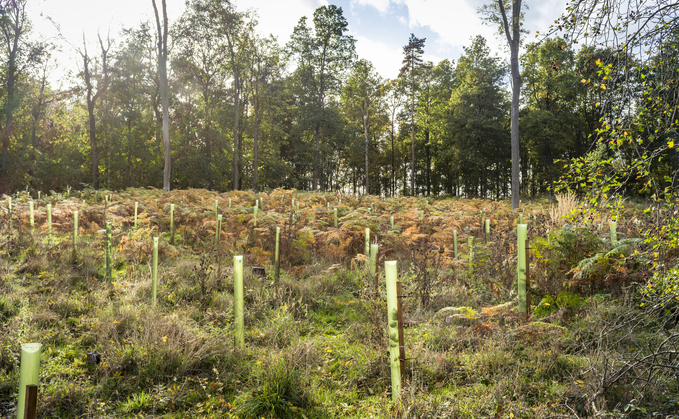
{"type": "Point", "coordinates": [129, 197]}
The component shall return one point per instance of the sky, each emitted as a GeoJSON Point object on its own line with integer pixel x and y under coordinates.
{"type": "Point", "coordinates": [381, 27]}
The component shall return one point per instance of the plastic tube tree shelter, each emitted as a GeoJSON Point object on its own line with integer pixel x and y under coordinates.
{"type": "Point", "coordinates": [109, 267]}
{"type": "Point", "coordinates": [154, 272]}
{"type": "Point", "coordinates": [29, 373]}
{"type": "Point", "coordinates": [374, 248]}
{"type": "Point", "coordinates": [238, 301]}
{"type": "Point", "coordinates": [470, 245]}
{"type": "Point", "coordinates": [392, 320]}
{"type": "Point", "coordinates": [455, 243]}
{"type": "Point", "coordinates": [49, 218]}
{"type": "Point", "coordinates": [614, 233]}
{"type": "Point", "coordinates": [391, 221]}
{"type": "Point", "coordinates": [218, 230]}
{"type": "Point", "coordinates": [229, 203]}
{"type": "Point", "coordinates": [522, 233]}
{"type": "Point", "coordinates": [277, 265]}
{"type": "Point", "coordinates": [171, 223]}
{"type": "Point", "coordinates": [367, 242]}
{"type": "Point", "coordinates": [487, 230]}
{"type": "Point", "coordinates": [31, 215]}
{"type": "Point", "coordinates": [75, 230]}
{"type": "Point", "coordinates": [334, 217]}
{"type": "Point", "coordinates": [254, 212]}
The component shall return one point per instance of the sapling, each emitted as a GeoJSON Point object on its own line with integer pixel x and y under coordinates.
{"type": "Point", "coordinates": [392, 321]}
{"type": "Point", "coordinates": [238, 301]}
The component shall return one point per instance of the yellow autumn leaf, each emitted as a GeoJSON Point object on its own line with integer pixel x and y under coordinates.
{"type": "Point", "coordinates": [603, 86]}
{"type": "Point", "coordinates": [598, 62]}
{"type": "Point", "coordinates": [583, 81]}
{"type": "Point", "coordinates": [670, 144]}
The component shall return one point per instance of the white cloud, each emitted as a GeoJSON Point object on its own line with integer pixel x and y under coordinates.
{"type": "Point", "coordinates": [381, 5]}
{"type": "Point", "coordinates": [280, 17]}
{"type": "Point", "coordinates": [386, 59]}
{"type": "Point", "coordinates": [454, 22]}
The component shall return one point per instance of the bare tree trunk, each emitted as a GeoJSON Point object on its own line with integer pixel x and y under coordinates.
{"type": "Point", "coordinates": [236, 111]}
{"type": "Point", "coordinates": [92, 97]}
{"type": "Point", "coordinates": [317, 139]}
{"type": "Point", "coordinates": [412, 128]}
{"type": "Point", "coordinates": [164, 90]}
{"type": "Point", "coordinates": [364, 112]}
{"type": "Point", "coordinates": [513, 40]}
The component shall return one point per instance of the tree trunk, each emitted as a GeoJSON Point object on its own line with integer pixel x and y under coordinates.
{"type": "Point", "coordinates": [364, 112]}
{"type": "Point", "coordinates": [317, 142]}
{"type": "Point", "coordinates": [412, 128]}
{"type": "Point", "coordinates": [164, 90]}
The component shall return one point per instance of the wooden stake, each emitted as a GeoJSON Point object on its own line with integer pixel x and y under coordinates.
{"type": "Point", "coordinates": [31, 408]}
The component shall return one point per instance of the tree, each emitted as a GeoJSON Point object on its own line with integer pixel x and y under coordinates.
{"type": "Point", "coordinates": [511, 26]}
{"type": "Point", "coordinates": [14, 25]}
{"type": "Point", "coordinates": [362, 93]}
{"type": "Point", "coordinates": [323, 55]}
{"type": "Point", "coordinates": [164, 89]}
{"type": "Point", "coordinates": [478, 110]}
{"type": "Point", "coordinates": [412, 62]}
{"type": "Point", "coordinates": [93, 94]}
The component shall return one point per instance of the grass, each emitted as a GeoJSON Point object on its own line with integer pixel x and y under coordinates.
{"type": "Point", "coordinates": [316, 344]}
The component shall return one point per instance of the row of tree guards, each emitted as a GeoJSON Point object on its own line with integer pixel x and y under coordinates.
{"type": "Point", "coordinates": [30, 353]}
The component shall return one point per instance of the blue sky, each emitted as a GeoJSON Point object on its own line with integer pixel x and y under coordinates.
{"type": "Point", "coordinates": [381, 27]}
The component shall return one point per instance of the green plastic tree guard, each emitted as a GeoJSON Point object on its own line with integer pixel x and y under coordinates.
{"type": "Point", "coordinates": [392, 320]}
{"type": "Point", "coordinates": [29, 373]}
{"type": "Point", "coordinates": [334, 217]}
{"type": "Point", "coordinates": [109, 267]}
{"type": "Point", "coordinates": [154, 272]}
{"type": "Point", "coordinates": [229, 203]}
{"type": "Point", "coordinates": [238, 301]}
{"type": "Point", "coordinates": [218, 231]}
{"type": "Point", "coordinates": [455, 243]}
{"type": "Point", "coordinates": [391, 221]}
{"type": "Point", "coordinates": [373, 259]}
{"type": "Point", "coordinates": [31, 215]}
{"type": "Point", "coordinates": [367, 242]}
{"type": "Point", "coordinates": [254, 211]}
{"type": "Point", "coordinates": [75, 229]}
{"type": "Point", "coordinates": [172, 222]}
{"type": "Point", "coordinates": [49, 218]}
{"type": "Point", "coordinates": [614, 233]}
{"type": "Point", "coordinates": [487, 230]}
{"type": "Point", "coordinates": [522, 234]}
{"type": "Point", "coordinates": [470, 245]}
{"type": "Point", "coordinates": [276, 260]}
